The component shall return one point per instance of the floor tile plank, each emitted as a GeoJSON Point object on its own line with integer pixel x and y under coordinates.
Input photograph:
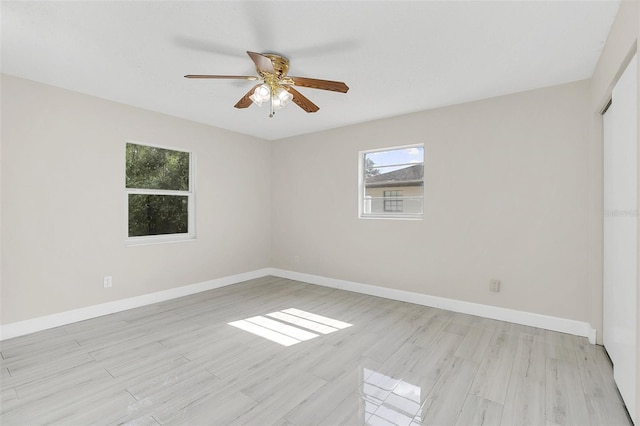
{"type": "Point", "coordinates": [494, 372]}
{"type": "Point", "coordinates": [565, 399]}
{"type": "Point", "coordinates": [478, 411]}
{"type": "Point", "coordinates": [445, 401]}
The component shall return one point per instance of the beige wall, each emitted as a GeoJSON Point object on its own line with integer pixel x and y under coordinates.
{"type": "Point", "coordinates": [63, 202]}
{"type": "Point", "coordinates": [506, 197]}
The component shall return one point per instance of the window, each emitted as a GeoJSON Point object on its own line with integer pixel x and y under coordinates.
{"type": "Point", "coordinates": [392, 182]}
{"type": "Point", "coordinates": [160, 199]}
{"type": "Point", "coordinates": [392, 200]}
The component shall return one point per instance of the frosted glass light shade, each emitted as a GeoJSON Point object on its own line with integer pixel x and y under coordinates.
{"type": "Point", "coordinates": [281, 98]}
{"type": "Point", "coordinates": [261, 94]}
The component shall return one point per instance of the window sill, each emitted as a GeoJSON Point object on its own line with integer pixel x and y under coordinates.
{"type": "Point", "coordinates": [158, 239]}
{"type": "Point", "coordinates": [392, 217]}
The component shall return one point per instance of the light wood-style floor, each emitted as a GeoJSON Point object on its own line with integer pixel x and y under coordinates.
{"type": "Point", "coordinates": [180, 362]}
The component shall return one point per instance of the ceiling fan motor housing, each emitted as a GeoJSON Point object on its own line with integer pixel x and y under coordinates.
{"type": "Point", "coordinates": [280, 64]}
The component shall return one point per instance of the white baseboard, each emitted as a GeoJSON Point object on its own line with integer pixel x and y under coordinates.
{"type": "Point", "coordinates": [563, 325]}
{"type": "Point", "coordinates": [578, 328]}
{"type": "Point", "coordinates": [21, 328]}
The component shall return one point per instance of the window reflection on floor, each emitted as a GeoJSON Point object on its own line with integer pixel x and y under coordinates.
{"type": "Point", "coordinates": [290, 326]}
{"type": "Point", "coordinates": [390, 401]}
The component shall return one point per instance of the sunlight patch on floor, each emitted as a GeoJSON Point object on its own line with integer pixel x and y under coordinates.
{"type": "Point", "coordinates": [290, 326]}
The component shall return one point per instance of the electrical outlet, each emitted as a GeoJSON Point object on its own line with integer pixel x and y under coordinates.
{"type": "Point", "coordinates": [108, 282]}
{"type": "Point", "coordinates": [494, 285]}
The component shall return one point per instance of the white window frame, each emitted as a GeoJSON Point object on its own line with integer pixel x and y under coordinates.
{"type": "Point", "coordinates": [190, 235]}
{"type": "Point", "coordinates": [364, 201]}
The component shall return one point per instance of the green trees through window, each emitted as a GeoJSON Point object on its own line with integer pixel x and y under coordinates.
{"type": "Point", "coordinates": [150, 167]}
{"type": "Point", "coordinates": [157, 215]}
{"type": "Point", "coordinates": [158, 191]}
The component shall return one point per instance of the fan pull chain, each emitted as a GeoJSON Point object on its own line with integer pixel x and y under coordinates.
{"type": "Point", "coordinates": [272, 111]}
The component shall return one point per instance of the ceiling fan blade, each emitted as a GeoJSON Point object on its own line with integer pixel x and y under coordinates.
{"type": "Point", "coordinates": [245, 102]}
{"type": "Point", "coordinates": [263, 63]}
{"type": "Point", "coordinates": [237, 77]}
{"type": "Point", "coordinates": [302, 101]}
{"type": "Point", "coordinates": [314, 83]}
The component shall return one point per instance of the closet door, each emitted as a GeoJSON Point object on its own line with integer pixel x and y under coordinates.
{"type": "Point", "coordinates": [620, 233]}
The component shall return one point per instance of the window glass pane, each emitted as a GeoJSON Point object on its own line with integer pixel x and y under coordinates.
{"type": "Point", "coordinates": [158, 214]}
{"type": "Point", "coordinates": [395, 156]}
{"type": "Point", "coordinates": [149, 167]}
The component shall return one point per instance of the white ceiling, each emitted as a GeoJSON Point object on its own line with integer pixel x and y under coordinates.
{"type": "Point", "coordinates": [397, 57]}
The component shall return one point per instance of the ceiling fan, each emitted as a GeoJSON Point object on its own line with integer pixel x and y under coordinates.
{"type": "Point", "coordinates": [276, 86]}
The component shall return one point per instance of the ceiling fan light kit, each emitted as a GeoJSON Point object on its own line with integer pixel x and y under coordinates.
{"type": "Point", "coordinates": [278, 97]}
{"type": "Point", "coordinates": [277, 88]}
